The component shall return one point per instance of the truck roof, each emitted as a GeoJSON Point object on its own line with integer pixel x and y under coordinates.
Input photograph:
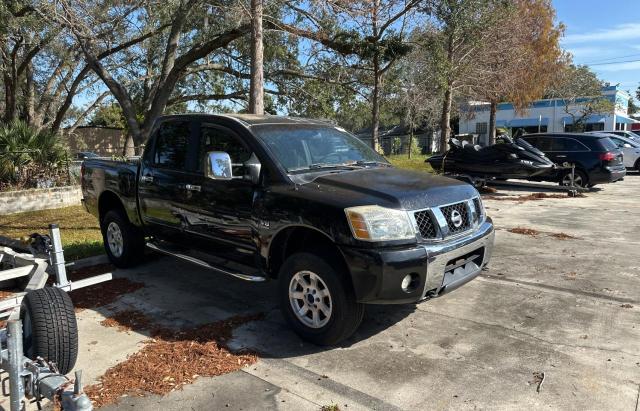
{"type": "Point", "coordinates": [247, 119]}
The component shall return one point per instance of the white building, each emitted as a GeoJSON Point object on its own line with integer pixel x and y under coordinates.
{"type": "Point", "coordinates": [546, 115]}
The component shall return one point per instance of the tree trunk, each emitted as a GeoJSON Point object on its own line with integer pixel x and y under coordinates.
{"type": "Point", "coordinates": [445, 119]}
{"type": "Point", "coordinates": [492, 123]}
{"type": "Point", "coordinates": [9, 99]}
{"type": "Point", "coordinates": [377, 78]}
{"type": "Point", "coordinates": [29, 102]}
{"type": "Point", "coordinates": [375, 110]}
{"type": "Point", "coordinates": [256, 87]}
{"type": "Point", "coordinates": [410, 141]}
{"type": "Point", "coordinates": [129, 148]}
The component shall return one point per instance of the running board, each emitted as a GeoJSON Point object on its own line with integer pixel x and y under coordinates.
{"type": "Point", "coordinates": [204, 264]}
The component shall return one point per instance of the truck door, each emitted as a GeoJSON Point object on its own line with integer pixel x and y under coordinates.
{"type": "Point", "coordinates": [162, 180]}
{"type": "Point", "coordinates": [223, 222]}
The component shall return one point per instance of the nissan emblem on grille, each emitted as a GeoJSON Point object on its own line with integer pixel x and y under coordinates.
{"type": "Point", "coordinates": [456, 218]}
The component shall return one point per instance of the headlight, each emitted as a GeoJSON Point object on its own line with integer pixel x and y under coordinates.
{"type": "Point", "coordinates": [375, 223]}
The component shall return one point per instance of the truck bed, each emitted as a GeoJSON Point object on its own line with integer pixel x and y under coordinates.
{"type": "Point", "coordinates": [119, 177]}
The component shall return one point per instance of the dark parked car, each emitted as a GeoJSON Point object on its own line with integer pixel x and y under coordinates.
{"type": "Point", "coordinates": [597, 159]}
{"type": "Point", "coordinates": [83, 155]}
{"type": "Point", "coordinates": [297, 200]}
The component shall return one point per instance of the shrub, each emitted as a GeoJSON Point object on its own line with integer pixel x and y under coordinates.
{"type": "Point", "coordinates": [30, 158]}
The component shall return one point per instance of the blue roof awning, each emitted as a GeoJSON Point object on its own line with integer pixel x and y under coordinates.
{"type": "Point", "coordinates": [528, 122]}
{"type": "Point", "coordinates": [594, 118]}
{"type": "Point", "coordinates": [501, 123]}
{"type": "Point", "coordinates": [625, 120]}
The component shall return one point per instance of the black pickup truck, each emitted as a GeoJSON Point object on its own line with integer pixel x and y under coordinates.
{"type": "Point", "coordinates": [297, 200]}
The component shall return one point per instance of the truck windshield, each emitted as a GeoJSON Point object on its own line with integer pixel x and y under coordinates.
{"type": "Point", "coordinates": [300, 147]}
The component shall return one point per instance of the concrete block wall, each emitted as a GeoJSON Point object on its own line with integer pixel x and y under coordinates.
{"type": "Point", "coordinates": [12, 202]}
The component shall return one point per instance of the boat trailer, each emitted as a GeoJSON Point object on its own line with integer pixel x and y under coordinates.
{"type": "Point", "coordinates": [33, 373]}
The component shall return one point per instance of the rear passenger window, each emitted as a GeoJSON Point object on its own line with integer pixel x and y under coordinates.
{"type": "Point", "coordinates": [619, 143]}
{"type": "Point", "coordinates": [171, 145]}
{"type": "Point", "coordinates": [544, 143]}
{"type": "Point", "coordinates": [607, 144]}
{"type": "Point", "coordinates": [567, 144]}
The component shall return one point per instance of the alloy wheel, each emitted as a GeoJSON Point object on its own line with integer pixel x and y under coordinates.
{"type": "Point", "coordinates": [310, 299]}
{"type": "Point", "coordinates": [114, 239]}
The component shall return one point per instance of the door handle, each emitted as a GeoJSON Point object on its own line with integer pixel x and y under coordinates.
{"type": "Point", "coordinates": [146, 179]}
{"type": "Point", "coordinates": [191, 187]}
{"type": "Point", "coordinates": [561, 156]}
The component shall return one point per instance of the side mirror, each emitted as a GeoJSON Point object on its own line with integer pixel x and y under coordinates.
{"type": "Point", "coordinates": [218, 166]}
{"type": "Point", "coordinates": [626, 145]}
{"type": "Point", "coordinates": [252, 169]}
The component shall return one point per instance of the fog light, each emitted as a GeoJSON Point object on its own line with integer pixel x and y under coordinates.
{"type": "Point", "coordinates": [410, 282]}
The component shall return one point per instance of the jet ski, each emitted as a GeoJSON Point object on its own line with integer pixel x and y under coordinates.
{"type": "Point", "coordinates": [505, 159]}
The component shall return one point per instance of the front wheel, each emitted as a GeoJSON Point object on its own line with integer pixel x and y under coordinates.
{"type": "Point", "coordinates": [317, 301]}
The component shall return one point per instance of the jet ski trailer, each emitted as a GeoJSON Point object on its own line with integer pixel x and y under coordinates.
{"type": "Point", "coordinates": [495, 164]}
{"type": "Point", "coordinates": [40, 334]}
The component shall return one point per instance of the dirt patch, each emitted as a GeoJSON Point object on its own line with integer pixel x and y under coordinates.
{"type": "Point", "coordinates": [626, 305]}
{"type": "Point", "coordinates": [103, 293]}
{"type": "Point", "coordinates": [563, 236]}
{"type": "Point", "coordinates": [172, 359]}
{"type": "Point", "coordinates": [86, 272]}
{"type": "Point", "coordinates": [533, 232]}
{"type": "Point", "coordinates": [487, 190]}
{"type": "Point", "coordinates": [128, 320]}
{"type": "Point", "coordinates": [524, 231]}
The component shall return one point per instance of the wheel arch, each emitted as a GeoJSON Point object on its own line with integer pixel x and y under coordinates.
{"type": "Point", "coordinates": [110, 201]}
{"type": "Point", "coordinates": [297, 238]}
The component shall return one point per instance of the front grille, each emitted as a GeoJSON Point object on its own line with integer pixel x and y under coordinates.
{"type": "Point", "coordinates": [457, 216]}
{"type": "Point", "coordinates": [425, 224]}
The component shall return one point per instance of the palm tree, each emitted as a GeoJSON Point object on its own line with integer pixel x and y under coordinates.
{"type": "Point", "coordinates": [26, 153]}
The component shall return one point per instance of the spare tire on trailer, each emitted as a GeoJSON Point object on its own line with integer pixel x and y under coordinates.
{"type": "Point", "coordinates": [49, 326]}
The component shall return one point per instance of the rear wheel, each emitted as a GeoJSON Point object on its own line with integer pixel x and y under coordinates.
{"type": "Point", "coordinates": [49, 326]}
{"type": "Point", "coordinates": [123, 242]}
{"type": "Point", "coordinates": [580, 179]}
{"type": "Point", "coordinates": [637, 165]}
{"type": "Point", "coordinates": [317, 301]}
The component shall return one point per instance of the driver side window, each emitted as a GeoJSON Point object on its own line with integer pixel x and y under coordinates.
{"type": "Point", "coordinates": [220, 139]}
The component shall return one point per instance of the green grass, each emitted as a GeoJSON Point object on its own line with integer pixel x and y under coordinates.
{"type": "Point", "coordinates": [416, 162]}
{"type": "Point", "coordinates": [79, 230]}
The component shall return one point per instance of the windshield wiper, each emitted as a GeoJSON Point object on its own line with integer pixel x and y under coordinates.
{"type": "Point", "coordinates": [318, 166]}
{"type": "Point", "coordinates": [334, 165]}
{"type": "Point", "coordinates": [364, 163]}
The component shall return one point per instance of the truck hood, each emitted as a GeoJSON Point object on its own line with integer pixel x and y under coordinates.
{"type": "Point", "coordinates": [392, 187]}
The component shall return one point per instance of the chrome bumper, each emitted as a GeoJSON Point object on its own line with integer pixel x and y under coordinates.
{"type": "Point", "coordinates": [452, 263]}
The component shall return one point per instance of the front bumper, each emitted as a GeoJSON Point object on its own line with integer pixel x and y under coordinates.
{"type": "Point", "coordinates": [439, 267]}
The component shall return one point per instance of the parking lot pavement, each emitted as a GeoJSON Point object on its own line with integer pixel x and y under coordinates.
{"type": "Point", "coordinates": [567, 308]}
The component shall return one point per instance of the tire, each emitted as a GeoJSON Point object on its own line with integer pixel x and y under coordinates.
{"type": "Point", "coordinates": [580, 179]}
{"type": "Point", "coordinates": [345, 313]}
{"type": "Point", "coordinates": [637, 165]}
{"type": "Point", "coordinates": [50, 329]}
{"type": "Point", "coordinates": [123, 242]}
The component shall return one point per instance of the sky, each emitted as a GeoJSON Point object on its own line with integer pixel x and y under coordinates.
{"type": "Point", "coordinates": [605, 35]}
